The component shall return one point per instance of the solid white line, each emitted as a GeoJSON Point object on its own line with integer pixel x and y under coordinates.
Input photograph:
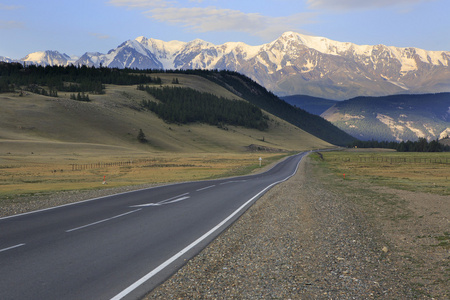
{"type": "Point", "coordinates": [205, 188]}
{"type": "Point", "coordinates": [196, 242]}
{"type": "Point", "coordinates": [101, 221]}
{"type": "Point", "coordinates": [12, 247]}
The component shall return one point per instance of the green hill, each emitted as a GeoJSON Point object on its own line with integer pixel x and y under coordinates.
{"type": "Point", "coordinates": [33, 119]}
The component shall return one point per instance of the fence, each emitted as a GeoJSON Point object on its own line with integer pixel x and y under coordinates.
{"type": "Point", "coordinates": [396, 159]}
{"type": "Point", "coordinates": [79, 167]}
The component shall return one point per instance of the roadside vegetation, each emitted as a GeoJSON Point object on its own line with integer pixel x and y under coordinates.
{"type": "Point", "coordinates": [21, 176]}
{"type": "Point", "coordinates": [413, 171]}
{"type": "Point", "coordinates": [404, 197]}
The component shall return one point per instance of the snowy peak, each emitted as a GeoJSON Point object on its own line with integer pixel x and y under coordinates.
{"type": "Point", "coordinates": [48, 58]}
{"type": "Point", "coordinates": [292, 64]}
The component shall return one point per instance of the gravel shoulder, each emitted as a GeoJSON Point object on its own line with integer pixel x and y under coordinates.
{"type": "Point", "coordinates": [304, 239]}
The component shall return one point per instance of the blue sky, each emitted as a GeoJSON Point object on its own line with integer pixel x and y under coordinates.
{"type": "Point", "coordinates": [75, 27]}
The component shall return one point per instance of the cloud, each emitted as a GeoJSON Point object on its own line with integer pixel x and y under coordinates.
{"type": "Point", "coordinates": [11, 25]}
{"type": "Point", "coordinates": [9, 7]}
{"type": "Point", "coordinates": [100, 36]}
{"type": "Point", "coordinates": [214, 19]}
{"type": "Point", "coordinates": [141, 3]}
{"type": "Point", "coordinates": [205, 19]}
{"type": "Point", "coordinates": [360, 4]}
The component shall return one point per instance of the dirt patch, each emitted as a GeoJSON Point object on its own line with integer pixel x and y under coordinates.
{"type": "Point", "coordinates": [421, 240]}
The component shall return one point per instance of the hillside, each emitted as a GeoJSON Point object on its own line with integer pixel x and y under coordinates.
{"type": "Point", "coordinates": [313, 105]}
{"type": "Point", "coordinates": [393, 118]}
{"type": "Point", "coordinates": [110, 123]}
{"type": "Point", "coordinates": [259, 96]}
{"type": "Point", "coordinates": [77, 82]}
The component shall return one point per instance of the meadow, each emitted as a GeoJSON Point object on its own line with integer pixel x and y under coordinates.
{"type": "Point", "coordinates": [27, 175]}
{"type": "Point", "coordinates": [417, 172]}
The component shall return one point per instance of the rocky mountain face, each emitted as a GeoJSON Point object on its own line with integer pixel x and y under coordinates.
{"type": "Point", "coordinates": [393, 118]}
{"type": "Point", "coordinates": [292, 64]}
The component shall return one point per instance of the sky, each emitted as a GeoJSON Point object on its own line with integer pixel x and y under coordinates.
{"type": "Point", "coordinates": [75, 27]}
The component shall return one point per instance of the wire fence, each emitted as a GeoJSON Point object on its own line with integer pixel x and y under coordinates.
{"type": "Point", "coordinates": [421, 160]}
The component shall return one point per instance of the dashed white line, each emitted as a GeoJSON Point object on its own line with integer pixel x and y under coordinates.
{"type": "Point", "coordinates": [104, 220]}
{"type": "Point", "coordinates": [232, 181]}
{"type": "Point", "coordinates": [158, 269]}
{"type": "Point", "coordinates": [12, 247]}
{"type": "Point", "coordinates": [205, 188]}
{"type": "Point", "coordinates": [167, 201]}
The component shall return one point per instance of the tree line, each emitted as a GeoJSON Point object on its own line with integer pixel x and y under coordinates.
{"type": "Point", "coordinates": [73, 79]}
{"type": "Point", "coordinates": [422, 145]}
{"type": "Point", "coordinates": [185, 105]}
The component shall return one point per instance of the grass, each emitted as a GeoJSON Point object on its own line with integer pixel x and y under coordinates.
{"type": "Point", "coordinates": [23, 177]}
{"type": "Point", "coordinates": [417, 172]}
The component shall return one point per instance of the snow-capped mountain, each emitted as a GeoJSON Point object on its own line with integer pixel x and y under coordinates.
{"type": "Point", "coordinates": [48, 57]}
{"type": "Point", "coordinates": [292, 64]}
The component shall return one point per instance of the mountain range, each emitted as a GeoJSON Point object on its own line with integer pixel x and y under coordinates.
{"type": "Point", "coordinates": [292, 64]}
{"type": "Point", "coordinates": [393, 118]}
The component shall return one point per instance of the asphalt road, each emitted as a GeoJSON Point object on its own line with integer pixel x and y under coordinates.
{"type": "Point", "coordinates": [122, 246]}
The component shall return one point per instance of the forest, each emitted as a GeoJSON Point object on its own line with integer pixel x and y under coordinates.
{"type": "Point", "coordinates": [73, 79]}
{"type": "Point", "coordinates": [185, 105]}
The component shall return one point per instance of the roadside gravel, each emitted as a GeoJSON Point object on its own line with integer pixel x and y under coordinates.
{"type": "Point", "coordinates": [299, 241]}
{"type": "Point", "coordinates": [25, 204]}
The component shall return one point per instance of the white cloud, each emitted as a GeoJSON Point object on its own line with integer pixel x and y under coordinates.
{"type": "Point", "coordinates": [100, 36]}
{"type": "Point", "coordinates": [210, 19]}
{"type": "Point", "coordinates": [9, 7]}
{"type": "Point", "coordinates": [11, 25]}
{"type": "Point", "coordinates": [141, 3]}
{"type": "Point", "coordinates": [360, 4]}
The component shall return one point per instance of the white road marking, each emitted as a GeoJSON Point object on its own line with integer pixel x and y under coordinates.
{"type": "Point", "coordinates": [232, 181]}
{"type": "Point", "coordinates": [12, 247]}
{"type": "Point", "coordinates": [205, 188]}
{"type": "Point", "coordinates": [175, 200]}
{"type": "Point", "coordinates": [197, 241]}
{"type": "Point", "coordinates": [167, 201]}
{"type": "Point", "coordinates": [104, 220]}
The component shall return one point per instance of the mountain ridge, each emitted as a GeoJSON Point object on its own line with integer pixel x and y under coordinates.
{"type": "Point", "coordinates": [393, 118]}
{"type": "Point", "coordinates": [292, 64]}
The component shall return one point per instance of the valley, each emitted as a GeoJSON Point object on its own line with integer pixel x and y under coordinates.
{"type": "Point", "coordinates": [57, 150]}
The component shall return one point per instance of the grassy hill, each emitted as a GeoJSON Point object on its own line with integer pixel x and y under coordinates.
{"type": "Point", "coordinates": [110, 123]}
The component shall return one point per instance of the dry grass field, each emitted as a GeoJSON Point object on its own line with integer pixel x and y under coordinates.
{"type": "Point", "coordinates": [417, 172]}
{"type": "Point", "coordinates": [37, 173]}
{"type": "Point", "coordinates": [405, 197]}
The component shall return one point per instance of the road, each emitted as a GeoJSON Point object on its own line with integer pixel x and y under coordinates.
{"type": "Point", "coordinates": [122, 246]}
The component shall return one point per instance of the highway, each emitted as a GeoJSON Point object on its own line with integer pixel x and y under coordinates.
{"type": "Point", "coordinates": [124, 245]}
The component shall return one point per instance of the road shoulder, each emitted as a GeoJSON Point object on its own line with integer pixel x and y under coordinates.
{"type": "Point", "coordinates": [300, 240]}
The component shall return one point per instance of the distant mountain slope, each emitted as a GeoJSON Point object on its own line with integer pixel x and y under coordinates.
{"type": "Point", "coordinates": [292, 64]}
{"type": "Point", "coordinates": [398, 117]}
{"type": "Point", "coordinates": [313, 105]}
{"type": "Point", "coordinates": [259, 96]}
